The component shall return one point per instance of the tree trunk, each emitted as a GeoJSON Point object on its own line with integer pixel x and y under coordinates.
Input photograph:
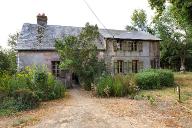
{"type": "Point", "coordinates": [182, 68]}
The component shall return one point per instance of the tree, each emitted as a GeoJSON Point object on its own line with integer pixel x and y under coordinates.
{"type": "Point", "coordinates": [139, 22]}
{"type": "Point", "coordinates": [4, 62]}
{"type": "Point", "coordinates": [12, 40]}
{"type": "Point", "coordinates": [8, 56]}
{"type": "Point", "coordinates": [176, 41]}
{"type": "Point", "coordinates": [182, 8]}
{"type": "Point", "coordinates": [79, 55]}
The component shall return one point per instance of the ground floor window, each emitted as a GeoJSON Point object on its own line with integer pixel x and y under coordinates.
{"type": "Point", "coordinates": [55, 68]}
{"type": "Point", "coordinates": [130, 66]}
{"type": "Point", "coordinates": [119, 66]}
{"type": "Point", "coordinates": [155, 63]}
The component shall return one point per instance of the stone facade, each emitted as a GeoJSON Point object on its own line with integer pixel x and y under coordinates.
{"type": "Point", "coordinates": [124, 52]}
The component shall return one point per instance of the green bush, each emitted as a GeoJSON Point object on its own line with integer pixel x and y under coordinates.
{"type": "Point", "coordinates": [57, 91]}
{"type": "Point", "coordinates": [166, 77]}
{"type": "Point", "coordinates": [147, 80]}
{"type": "Point", "coordinates": [129, 85]}
{"type": "Point", "coordinates": [7, 106]}
{"type": "Point", "coordinates": [25, 89]}
{"type": "Point", "coordinates": [118, 85]}
{"type": "Point", "coordinates": [25, 99]}
{"type": "Point", "coordinates": [104, 86]}
{"type": "Point", "coordinates": [154, 78]}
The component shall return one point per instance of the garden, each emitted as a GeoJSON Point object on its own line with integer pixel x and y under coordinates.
{"type": "Point", "coordinates": [129, 85]}
{"type": "Point", "coordinates": [26, 89]}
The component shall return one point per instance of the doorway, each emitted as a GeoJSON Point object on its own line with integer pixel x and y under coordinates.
{"type": "Point", "coordinates": [134, 66]}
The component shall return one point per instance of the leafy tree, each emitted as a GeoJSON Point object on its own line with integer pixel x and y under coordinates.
{"type": "Point", "coordinates": [8, 56]}
{"type": "Point", "coordinates": [79, 55]}
{"type": "Point", "coordinates": [176, 41]}
{"type": "Point", "coordinates": [4, 62]}
{"type": "Point", "coordinates": [12, 40]}
{"type": "Point", "coordinates": [182, 8]}
{"type": "Point", "coordinates": [139, 22]}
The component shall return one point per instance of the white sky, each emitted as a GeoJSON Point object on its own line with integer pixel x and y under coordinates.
{"type": "Point", "coordinates": [114, 14]}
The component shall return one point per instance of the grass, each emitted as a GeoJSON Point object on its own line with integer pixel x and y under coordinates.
{"type": "Point", "coordinates": [170, 93]}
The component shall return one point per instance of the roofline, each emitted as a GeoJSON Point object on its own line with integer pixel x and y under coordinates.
{"type": "Point", "coordinates": [134, 39]}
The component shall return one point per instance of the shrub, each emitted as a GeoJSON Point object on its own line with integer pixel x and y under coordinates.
{"type": "Point", "coordinates": [118, 85]}
{"type": "Point", "coordinates": [154, 78]}
{"type": "Point", "coordinates": [7, 106]}
{"type": "Point", "coordinates": [57, 91]}
{"type": "Point", "coordinates": [25, 89]}
{"type": "Point", "coordinates": [129, 85]}
{"type": "Point", "coordinates": [166, 77]}
{"type": "Point", "coordinates": [105, 85]}
{"type": "Point", "coordinates": [25, 99]}
{"type": "Point", "coordinates": [147, 80]}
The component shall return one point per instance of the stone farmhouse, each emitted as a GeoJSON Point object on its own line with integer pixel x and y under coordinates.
{"type": "Point", "coordinates": [124, 52]}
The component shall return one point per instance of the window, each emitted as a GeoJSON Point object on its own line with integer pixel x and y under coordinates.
{"type": "Point", "coordinates": [118, 66]}
{"type": "Point", "coordinates": [55, 68]}
{"type": "Point", "coordinates": [119, 45]}
{"type": "Point", "coordinates": [128, 45]}
{"type": "Point", "coordinates": [134, 46]}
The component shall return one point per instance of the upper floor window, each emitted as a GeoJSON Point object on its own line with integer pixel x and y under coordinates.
{"type": "Point", "coordinates": [134, 46]}
{"type": "Point", "coordinates": [128, 46]}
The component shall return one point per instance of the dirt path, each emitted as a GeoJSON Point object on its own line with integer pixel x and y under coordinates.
{"type": "Point", "coordinates": [84, 111]}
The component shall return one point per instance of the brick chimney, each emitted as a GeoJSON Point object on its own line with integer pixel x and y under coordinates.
{"type": "Point", "coordinates": [42, 19]}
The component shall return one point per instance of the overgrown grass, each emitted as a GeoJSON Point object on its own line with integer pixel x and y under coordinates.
{"type": "Point", "coordinates": [118, 85]}
{"type": "Point", "coordinates": [170, 93]}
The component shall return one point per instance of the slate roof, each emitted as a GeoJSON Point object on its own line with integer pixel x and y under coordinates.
{"type": "Point", "coordinates": [28, 37]}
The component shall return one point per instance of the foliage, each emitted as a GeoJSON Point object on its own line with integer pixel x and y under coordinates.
{"type": "Point", "coordinates": [8, 56]}
{"type": "Point", "coordinates": [4, 62]}
{"type": "Point", "coordinates": [117, 85]}
{"type": "Point", "coordinates": [139, 22]}
{"type": "Point", "coordinates": [79, 55]}
{"type": "Point", "coordinates": [182, 8]}
{"type": "Point", "coordinates": [176, 42]}
{"type": "Point", "coordinates": [25, 99]}
{"type": "Point", "coordinates": [166, 77]}
{"type": "Point", "coordinates": [12, 40]}
{"type": "Point", "coordinates": [26, 89]}
{"type": "Point", "coordinates": [7, 106]}
{"type": "Point", "coordinates": [154, 78]}
{"type": "Point", "coordinates": [148, 80]}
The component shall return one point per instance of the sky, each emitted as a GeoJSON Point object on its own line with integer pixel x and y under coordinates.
{"type": "Point", "coordinates": [114, 14]}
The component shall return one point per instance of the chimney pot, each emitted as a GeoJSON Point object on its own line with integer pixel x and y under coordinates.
{"type": "Point", "coordinates": [42, 19]}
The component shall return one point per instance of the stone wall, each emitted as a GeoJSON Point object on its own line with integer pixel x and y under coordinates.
{"type": "Point", "coordinates": [150, 50]}
{"type": "Point", "coordinates": [29, 58]}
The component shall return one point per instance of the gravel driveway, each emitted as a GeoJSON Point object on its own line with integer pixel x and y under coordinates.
{"type": "Point", "coordinates": [84, 111]}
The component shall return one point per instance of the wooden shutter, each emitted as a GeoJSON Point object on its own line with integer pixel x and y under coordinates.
{"type": "Point", "coordinates": [129, 63]}
{"type": "Point", "coordinates": [125, 67]}
{"type": "Point", "coordinates": [140, 46]}
{"type": "Point", "coordinates": [115, 67]}
{"type": "Point", "coordinates": [114, 45]}
{"type": "Point", "coordinates": [140, 65]}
